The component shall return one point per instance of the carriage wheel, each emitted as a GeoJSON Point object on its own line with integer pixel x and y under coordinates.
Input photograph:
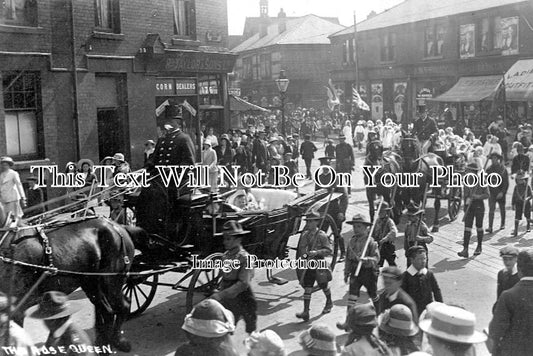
{"type": "Point", "coordinates": [203, 283]}
{"type": "Point", "coordinates": [334, 236]}
{"type": "Point", "coordinates": [455, 195]}
{"type": "Point", "coordinates": [140, 291]}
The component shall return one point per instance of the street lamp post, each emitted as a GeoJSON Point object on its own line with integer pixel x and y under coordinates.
{"type": "Point", "coordinates": [282, 82]}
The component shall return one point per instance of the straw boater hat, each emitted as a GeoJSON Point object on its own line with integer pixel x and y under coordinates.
{"type": "Point", "coordinates": [414, 209]}
{"type": "Point", "coordinates": [319, 340]}
{"type": "Point", "coordinates": [398, 321]}
{"type": "Point", "coordinates": [209, 319]}
{"type": "Point", "coordinates": [119, 157]}
{"type": "Point", "coordinates": [392, 272]}
{"type": "Point", "coordinates": [273, 139]}
{"type": "Point", "coordinates": [53, 305]}
{"type": "Point", "coordinates": [7, 160]}
{"type": "Point", "coordinates": [452, 324]}
{"type": "Point", "coordinates": [359, 219]}
{"type": "Point", "coordinates": [268, 342]}
{"type": "Point", "coordinates": [232, 228]}
{"type": "Point", "coordinates": [362, 319]}
{"type": "Point", "coordinates": [82, 161]}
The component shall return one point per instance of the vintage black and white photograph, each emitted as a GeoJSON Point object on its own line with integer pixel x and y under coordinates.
{"type": "Point", "coordinates": [266, 177]}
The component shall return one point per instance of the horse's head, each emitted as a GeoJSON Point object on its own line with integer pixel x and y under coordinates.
{"type": "Point", "coordinates": [409, 148]}
{"type": "Point", "coordinates": [375, 149]}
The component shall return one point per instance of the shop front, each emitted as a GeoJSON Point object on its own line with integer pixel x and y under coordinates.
{"type": "Point", "coordinates": [519, 93]}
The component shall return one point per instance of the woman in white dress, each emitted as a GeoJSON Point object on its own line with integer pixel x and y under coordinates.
{"type": "Point", "coordinates": [347, 131]}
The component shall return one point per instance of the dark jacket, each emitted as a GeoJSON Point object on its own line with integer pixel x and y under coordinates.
{"type": "Point", "coordinates": [511, 325]}
{"type": "Point", "coordinates": [308, 149]}
{"type": "Point", "coordinates": [224, 158]}
{"type": "Point", "coordinates": [423, 288]}
{"type": "Point", "coordinates": [506, 280]}
{"type": "Point", "coordinates": [260, 154]}
{"type": "Point", "coordinates": [423, 129]}
{"type": "Point", "coordinates": [330, 150]}
{"type": "Point", "coordinates": [345, 158]}
{"type": "Point", "coordinates": [383, 303]}
{"type": "Point", "coordinates": [502, 171]}
{"type": "Point", "coordinates": [520, 162]}
{"type": "Point", "coordinates": [175, 148]}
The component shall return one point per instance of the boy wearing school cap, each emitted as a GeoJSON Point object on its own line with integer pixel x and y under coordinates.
{"type": "Point", "coordinates": [313, 245]}
{"type": "Point", "coordinates": [511, 326]}
{"type": "Point", "coordinates": [393, 293]}
{"type": "Point", "coordinates": [418, 281]}
{"type": "Point", "coordinates": [235, 289]}
{"type": "Point", "coordinates": [497, 194]}
{"type": "Point", "coordinates": [521, 201]}
{"type": "Point", "coordinates": [368, 275]}
{"type": "Point", "coordinates": [508, 276]}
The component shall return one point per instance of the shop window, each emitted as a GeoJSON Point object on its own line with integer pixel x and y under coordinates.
{"type": "Point", "coordinates": [184, 18]}
{"type": "Point", "coordinates": [266, 66]}
{"type": "Point", "coordinates": [19, 12]}
{"type": "Point", "coordinates": [209, 90]}
{"type": "Point", "coordinates": [22, 114]}
{"type": "Point", "coordinates": [388, 47]}
{"type": "Point", "coordinates": [107, 15]}
{"type": "Point", "coordinates": [247, 68]}
{"type": "Point", "coordinates": [434, 40]}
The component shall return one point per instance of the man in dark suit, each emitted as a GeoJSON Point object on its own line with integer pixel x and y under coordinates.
{"type": "Point", "coordinates": [308, 150]}
{"type": "Point", "coordinates": [423, 128]}
{"type": "Point", "coordinates": [260, 152]}
{"type": "Point", "coordinates": [511, 325]}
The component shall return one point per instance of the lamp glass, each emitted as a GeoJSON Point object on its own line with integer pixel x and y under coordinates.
{"type": "Point", "coordinates": [282, 84]}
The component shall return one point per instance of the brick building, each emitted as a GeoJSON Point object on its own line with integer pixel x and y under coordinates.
{"type": "Point", "coordinates": [418, 50]}
{"type": "Point", "coordinates": [130, 57]}
{"type": "Point", "coordinates": [299, 46]}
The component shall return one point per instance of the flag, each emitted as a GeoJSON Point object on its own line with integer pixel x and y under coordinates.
{"type": "Point", "coordinates": [356, 99]}
{"type": "Point", "coordinates": [333, 99]}
{"type": "Point", "coordinates": [189, 107]}
{"type": "Point", "coordinates": [159, 110]}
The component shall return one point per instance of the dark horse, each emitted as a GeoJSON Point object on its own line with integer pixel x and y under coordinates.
{"type": "Point", "coordinates": [387, 162]}
{"type": "Point", "coordinates": [413, 162]}
{"type": "Point", "coordinates": [94, 245]}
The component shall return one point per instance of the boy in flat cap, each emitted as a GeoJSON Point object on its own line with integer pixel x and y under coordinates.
{"type": "Point", "coordinates": [393, 293]}
{"type": "Point", "coordinates": [418, 281]}
{"type": "Point", "coordinates": [508, 276]}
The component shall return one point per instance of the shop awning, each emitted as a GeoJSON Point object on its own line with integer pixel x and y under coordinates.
{"type": "Point", "coordinates": [519, 81]}
{"type": "Point", "coordinates": [471, 89]}
{"type": "Point", "coordinates": [238, 104]}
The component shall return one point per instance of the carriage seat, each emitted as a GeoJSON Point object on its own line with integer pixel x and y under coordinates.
{"type": "Point", "coordinates": [268, 199]}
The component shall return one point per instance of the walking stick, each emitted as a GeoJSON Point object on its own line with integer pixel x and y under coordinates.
{"type": "Point", "coordinates": [360, 263]}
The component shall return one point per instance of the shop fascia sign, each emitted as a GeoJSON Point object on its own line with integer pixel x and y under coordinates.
{"type": "Point", "coordinates": [175, 86]}
{"type": "Point", "coordinates": [424, 93]}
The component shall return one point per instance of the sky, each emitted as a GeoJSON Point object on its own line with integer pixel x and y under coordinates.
{"type": "Point", "coordinates": [238, 10]}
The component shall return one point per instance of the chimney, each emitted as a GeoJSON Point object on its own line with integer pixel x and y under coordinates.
{"type": "Point", "coordinates": [263, 18]}
{"type": "Point", "coordinates": [282, 21]}
{"type": "Point", "coordinates": [371, 14]}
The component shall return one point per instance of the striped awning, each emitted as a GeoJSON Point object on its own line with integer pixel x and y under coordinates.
{"type": "Point", "coordinates": [472, 89]}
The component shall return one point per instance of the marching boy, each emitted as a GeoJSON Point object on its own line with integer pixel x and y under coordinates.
{"type": "Point", "coordinates": [416, 230]}
{"type": "Point", "coordinates": [235, 291]}
{"type": "Point", "coordinates": [522, 191]}
{"type": "Point", "coordinates": [508, 276]}
{"type": "Point", "coordinates": [385, 233]}
{"type": "Point", "coordinates": [368, 275]}
{"type": "Point", "coordinates": [314, 244]}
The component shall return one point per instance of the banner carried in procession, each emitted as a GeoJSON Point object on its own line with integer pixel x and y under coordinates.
{"type": "Point", "coordinates": [333, 99]}
{"type": "Point", "coordinates": [377, 100]}
{"type": "Point", "coordinates": [356, 99]}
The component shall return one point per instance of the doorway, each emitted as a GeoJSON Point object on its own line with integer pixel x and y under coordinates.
{"type": "Point", "coordinates": [110, 132]}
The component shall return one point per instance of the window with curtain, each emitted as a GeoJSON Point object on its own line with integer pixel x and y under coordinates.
{"type": "Point", "coordinates": [22, 102]}
{"type": "Point", "coordinates": [266, 66]}
{"type": "Point", "coordinates": [184, 21]}
{"type": "Point", "coordinates": [19, 12]}
{"type": "Point", "coordinates": [388, 47]}
{"type": "Point", "coordinates": [434, 40]}
{"type": "Point", "coordinates": [107, 15]}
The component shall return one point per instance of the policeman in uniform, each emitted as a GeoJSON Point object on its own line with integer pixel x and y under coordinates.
{"type": "Point", "coordinates": [385, 233]}
{"type": "Point", "coordinates": [235, 292]}
{"type": "Point", "coordinates": [368, 275]}
{"type": "Point", "coordinates": [175, 148]}
{"type": "Point", "coordinates": [337, 207]}
{"type": "Point", "coordinates": [345, 157]}
{"type": "Point", "coordinates": [474, 209]}
{"type": "Point", "coordinates": [423, 128]}
{"type": "Point", "coordinates": [313, 245]}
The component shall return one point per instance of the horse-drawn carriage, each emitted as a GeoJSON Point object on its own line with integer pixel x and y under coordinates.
{"type": "Point", "coordinates": [202, 217]}
{"type": "Point", "coordinates": [118, 267]}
